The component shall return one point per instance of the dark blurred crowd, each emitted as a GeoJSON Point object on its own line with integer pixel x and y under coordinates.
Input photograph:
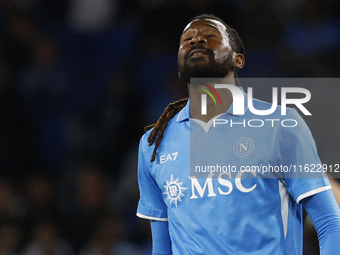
{"type": "Point", "coordinates": [79, 79]}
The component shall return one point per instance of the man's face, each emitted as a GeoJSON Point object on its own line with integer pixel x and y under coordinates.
{"type": "Point", "coordinates": [204, 50]}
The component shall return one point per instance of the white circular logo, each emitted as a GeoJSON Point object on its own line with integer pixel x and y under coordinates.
{"type": "Point", "coordinates": [174, 190]}
{"type": "Point", "coordinates": [243, 147]}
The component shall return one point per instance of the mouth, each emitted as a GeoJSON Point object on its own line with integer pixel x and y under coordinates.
{"type": "Point", "coordinates": [197, 52]}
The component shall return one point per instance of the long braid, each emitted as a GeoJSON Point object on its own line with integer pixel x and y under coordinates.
{"type": "Point", "coordinates": [159, 127]}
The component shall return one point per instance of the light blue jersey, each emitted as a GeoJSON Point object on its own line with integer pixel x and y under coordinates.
{"type": "Point", "coordinates": [213, 210]}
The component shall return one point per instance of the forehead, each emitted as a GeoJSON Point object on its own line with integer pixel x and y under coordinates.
{"type": "Point", "coordinates": [200, 23]}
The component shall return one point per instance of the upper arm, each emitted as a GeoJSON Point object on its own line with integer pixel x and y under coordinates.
{"type": "Point", "coordinates": [161, 243]}
{"type": "Point", "coordinates": [151, 204]}
{"type": "Point", "coordinates": [325, 215]}
{"type": "Point", "coordinates": [298, 152]}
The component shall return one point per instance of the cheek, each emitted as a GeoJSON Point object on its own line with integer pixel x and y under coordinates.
{"type": "Point", "coordinates": [223, 50]}
{"type": "Point", "coordinates": [220, 55]}
{"type": "Point", "coordinates": [180, 55]}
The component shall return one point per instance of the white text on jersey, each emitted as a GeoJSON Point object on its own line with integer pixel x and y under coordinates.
{"type": "Point", "coordinates": [223, 182]}
{"type": "Point", "coordinates": [171, 157]}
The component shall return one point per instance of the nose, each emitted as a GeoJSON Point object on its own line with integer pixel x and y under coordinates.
{"type": "Point", "coordinates": [197, 40]}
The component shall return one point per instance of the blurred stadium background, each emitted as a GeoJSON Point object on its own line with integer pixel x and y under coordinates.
{"type": "Point", "coordinates": [80, 78]}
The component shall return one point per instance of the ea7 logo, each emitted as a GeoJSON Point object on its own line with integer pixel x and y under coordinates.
{"type": "Point", "coordinates": [166, 157]}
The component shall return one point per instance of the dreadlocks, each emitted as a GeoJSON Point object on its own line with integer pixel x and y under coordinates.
{"type": "Point", "coordinates": [159, 127]}
{"type": "Point", "coordinates": [172, 109]}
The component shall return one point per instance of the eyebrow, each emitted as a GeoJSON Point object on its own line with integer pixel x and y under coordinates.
{"type": "Point", "coordinates": [207, 25]}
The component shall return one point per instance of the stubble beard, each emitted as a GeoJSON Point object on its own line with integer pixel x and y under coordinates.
{"type": "Point", "coordinates": [192, 68]}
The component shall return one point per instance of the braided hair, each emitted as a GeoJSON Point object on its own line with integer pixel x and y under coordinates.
{"type": "Point", "coordinates": [159, 127]}
{"type": "Point", "coordinates": [173, 108]}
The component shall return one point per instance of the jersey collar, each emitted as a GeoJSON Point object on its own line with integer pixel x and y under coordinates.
{"type": "Point", "coordinates": [184, 114]}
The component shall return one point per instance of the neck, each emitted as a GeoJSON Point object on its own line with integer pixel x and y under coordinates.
{"type": "Point", "coordinates": [196, 92]}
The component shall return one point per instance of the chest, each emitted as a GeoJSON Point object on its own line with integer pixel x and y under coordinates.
{"type": "Point", "coordinates": [194, 165]}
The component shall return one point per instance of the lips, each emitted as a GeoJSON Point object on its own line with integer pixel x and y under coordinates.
{"type": "Point", "coordinates": [197, 52]}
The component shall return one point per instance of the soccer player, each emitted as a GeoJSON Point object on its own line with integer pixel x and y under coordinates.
{"type": "Point", "coordinates": [221, 213]}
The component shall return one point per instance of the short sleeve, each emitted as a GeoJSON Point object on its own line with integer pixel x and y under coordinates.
{"type": "Point", "coordinates": [151, 205]}
{"type": "Point", "coordinates": [298, 152]}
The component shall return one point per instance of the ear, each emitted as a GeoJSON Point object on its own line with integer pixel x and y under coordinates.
{"type": "Point", "coordinates": [239, 60]}
{"type": "Point", "coordinates": [179, 75]}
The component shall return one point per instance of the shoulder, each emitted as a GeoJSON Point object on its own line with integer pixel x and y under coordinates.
{"type": "Point", "coordinates": [144, 147]}
{"type": "Point", "coordinates": [262, 105]}
{"type": "Point", "coordinates": [279, 110]}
